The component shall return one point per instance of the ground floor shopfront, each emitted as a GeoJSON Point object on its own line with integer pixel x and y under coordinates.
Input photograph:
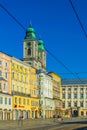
{"type": "Point", "coordinates": [5, 114]}
{"type": "Point", "coordinates": [49, 113]}
{"type": "Point", "coordinates": [46, 113]}
{"type": "Point", "coordinates": [25, 114]}
{"type": "Point", "coordinates": [75, 112]}
{"type": "Point", "coordinates": [58, 111]}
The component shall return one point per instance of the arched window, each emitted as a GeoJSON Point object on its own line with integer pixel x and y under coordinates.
{"type": "Point", "coordinates": [29, 51]}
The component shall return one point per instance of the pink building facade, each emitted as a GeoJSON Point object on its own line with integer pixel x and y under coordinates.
{"type": "Point", "coordinates": [5, 87]}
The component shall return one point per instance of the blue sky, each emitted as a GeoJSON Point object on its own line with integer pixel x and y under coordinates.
{"type": "Point", "coordinates": [58, 26]}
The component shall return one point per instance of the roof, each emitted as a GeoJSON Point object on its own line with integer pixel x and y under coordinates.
{"type": "Point", "coordinates": [74, 81]}
{"type": "Point", "coordinates": [30, 33]}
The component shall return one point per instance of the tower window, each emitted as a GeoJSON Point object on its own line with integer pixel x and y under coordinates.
{"type": "Point", "coordinates": [29, 51]}
{"type": "Point", "coordinates": [29, 43]}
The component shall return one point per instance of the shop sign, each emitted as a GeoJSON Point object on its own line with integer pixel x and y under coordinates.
{"type": "Point", "coordinates": [21, 106]}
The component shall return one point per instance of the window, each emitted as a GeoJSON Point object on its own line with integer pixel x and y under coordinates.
{"type": "Point", "coordinates": [81, 88]}
{"type": "Point", "coordinates": [29, 44]}
{"type": "Point", "coordinates": [69, 104]}
{"type": "Point", "coordinates": [41, 102]}
{"type": "Point", "coordinates": [75, 104]}
{"type": "Point", "coordinates": [63, 104]}
{"type": "Point", "coordinates": [5, 100]}
{"type": "Point", "coordinates": [4, 86]}
{"type": "Point", "coordinates": [69, 95]}
{"type": "Point", "coordinates": [27, 101]}
{"type": "Point", "coordinates": [75, 95]}
{"type": "Point", "coordinates": [75, 89]}
{"type": "Point", "coordinates": [29, 51]}
{"type": "Point", "coordinates": [63, 89]}
{"type": "Point", "coordinates": [13, 75]}
{"type": "Point", "coordinates": [0, 62]}
{"type": "Point", "coordinates": [6, 74]}
{"type": "Point", "coordinates": [19, 100]}
{"type": "Point", "coordinates": [22, 89]}
{"type": "Point", "coordinates": [86, 104]}
{"type": "Point", "coordinates": [34, 103]}
{"type": "Point", "coordinates": [81, 103]}
{"type": "Point", "coordinates": [69, 89]}
{"type": "Point", "coordinates": [1, 100]}
{"type": "Point", "coordinates": [0, 86]}
{"type": "Point", "coordinates": [81, 95]}
{"type": "Point", "coordinates": [15, 100]}
{"type": "Point", "coordinates": [6, 64]}
{"type": "Point", "coordinates": [18, 88]}
{"type": "Point", "coordinates": [13, 87]}
{"type": "Point", "coordinates": [24, 101]}
{"type": "Point", "coordinates": [0, 73]}
{"type": "Point", "coordinates": [9, 101]}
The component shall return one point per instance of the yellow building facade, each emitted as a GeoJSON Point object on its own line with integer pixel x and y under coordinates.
{"type": "Point", "coordinates": [24, 100]}
{"type": "Point", "coordinates": [33, 93]}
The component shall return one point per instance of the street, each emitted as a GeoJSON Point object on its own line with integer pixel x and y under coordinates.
{"type": "Point", "coordinates": [45, 124]}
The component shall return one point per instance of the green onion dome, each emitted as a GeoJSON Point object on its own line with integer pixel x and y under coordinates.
{"type": "Point", "coordinates": [30, 33]}
{"type": "Point", "coordinates": [40, 45]}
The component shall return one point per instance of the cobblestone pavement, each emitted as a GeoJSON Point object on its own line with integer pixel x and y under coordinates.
{"type": "Point", "coordinates": [43, 124]}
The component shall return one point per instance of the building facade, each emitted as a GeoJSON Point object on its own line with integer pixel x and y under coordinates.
{"type": "Point", "coordinates": [20, 89]}
{"type": "Point", "coordinates": [46, 95]}
{"type": "Point", "coordinates": [57, 93]}
{"type": "Point", "coordinates": [33, 88]}
{"type": "Point", "coordinates": [5, 87]}
{"type": "Point", "coordinates": [74, 97]}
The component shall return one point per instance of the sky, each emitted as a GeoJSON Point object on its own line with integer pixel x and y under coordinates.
{"type": "Point", "coordinates": [59, 28]}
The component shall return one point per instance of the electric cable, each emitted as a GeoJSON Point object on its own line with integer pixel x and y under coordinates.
{"type": "Point", "coordinates": [11, 15]}
{"type": "Point", "coordinates": [78, 18]}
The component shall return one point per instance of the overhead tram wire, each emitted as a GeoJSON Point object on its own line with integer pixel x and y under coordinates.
{"type": "Point", "coordinates": [61, 63]}
{"type": "Point", "coordinates": [46, 49]}
{"type": "Point", "coordinates": [78, 18]}
{"type": "Point", "coordinates": [12, 16]}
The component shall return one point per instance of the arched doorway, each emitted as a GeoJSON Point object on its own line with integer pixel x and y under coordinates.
{"type": "Point", "coordinates": [75, 113]}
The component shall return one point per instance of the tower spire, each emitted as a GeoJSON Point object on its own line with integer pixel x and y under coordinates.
{"type": "Point", "coordinates": [30, 23]}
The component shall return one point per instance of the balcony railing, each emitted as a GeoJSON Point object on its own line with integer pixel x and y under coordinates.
{"type": "Point", "coordinates": [20, 94]}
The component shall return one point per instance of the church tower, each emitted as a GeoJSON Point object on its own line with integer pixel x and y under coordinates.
{"type": "Point", "coordinates": [30, 47]}
{"type": "Point", "coordinates": [33, 50]}
{"type": "Point", "coordinates": [42, 54]}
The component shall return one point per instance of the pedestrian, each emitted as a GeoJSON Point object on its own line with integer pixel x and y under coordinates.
{"type": "Point", "coordinates": [20, 120]}
{"type": "Point", "coordinates": [54, 117]}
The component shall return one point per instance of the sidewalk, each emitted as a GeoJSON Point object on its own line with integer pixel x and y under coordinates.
{"type": "Point", "coordinates": [30, 124]}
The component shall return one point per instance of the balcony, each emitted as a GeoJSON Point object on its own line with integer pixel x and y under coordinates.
{"type": "Point", "coordinates": [20, 94]}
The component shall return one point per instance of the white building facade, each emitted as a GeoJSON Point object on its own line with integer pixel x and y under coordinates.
{"type": "Point", "coordinates": [5, 106]}
{"type": "Point", "coordinates": [74, 96]}
{"type": "Point", "coordinates": [46, 95]}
